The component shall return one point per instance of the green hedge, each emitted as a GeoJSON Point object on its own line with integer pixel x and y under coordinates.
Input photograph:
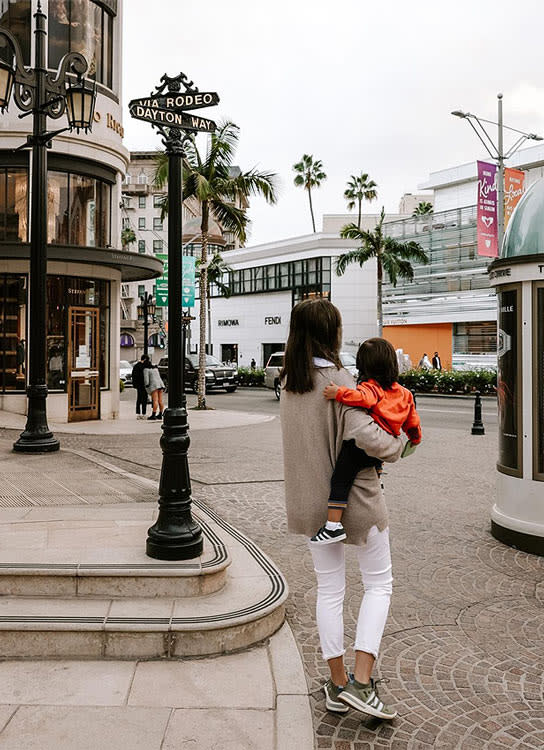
{"type": "Point", "coordinates": [246, 376]}
{"type": "Point", "coordinates": [449, 381]}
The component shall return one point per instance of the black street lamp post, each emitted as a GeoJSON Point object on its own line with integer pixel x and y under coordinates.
{"type": "Point", "coordinates": [145, 309]}
{"type": "Point", "coordinates": [42, 94]}
{"type": "Point", "coordinates": [175, 535]}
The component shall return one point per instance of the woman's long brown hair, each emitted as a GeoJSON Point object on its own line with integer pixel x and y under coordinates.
{"type": "Point", "coordinates": [314, 331]}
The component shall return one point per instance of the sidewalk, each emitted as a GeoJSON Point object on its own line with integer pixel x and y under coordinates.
{"type": "Point", "coordinates": [126, 424]}
{"type": "Point", "coordinates": [256, 699]}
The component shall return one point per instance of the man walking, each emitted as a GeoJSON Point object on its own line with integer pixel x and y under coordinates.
{"type": "Point", "coordinates": [437, 362]}
{"type": "Point", "coordinates": [138, 383]}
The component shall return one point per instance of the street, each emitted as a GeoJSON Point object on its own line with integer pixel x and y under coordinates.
{"type": "Point", "coordinates": [435, 411]}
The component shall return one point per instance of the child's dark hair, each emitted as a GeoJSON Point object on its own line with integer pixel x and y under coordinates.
{"type": "Point", "coordinates": [377, 360]}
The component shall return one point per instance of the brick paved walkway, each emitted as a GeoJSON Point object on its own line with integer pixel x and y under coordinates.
{"type": "Point", "coordinates": [464, 644]}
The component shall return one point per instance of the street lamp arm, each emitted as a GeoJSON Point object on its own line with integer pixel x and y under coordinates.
{"type": "Point", "coordinates": [72, 62]}
{"type": "Point", "coordinates": [517, 145]}
{"type": "Point", "coordinates": [495, 155]}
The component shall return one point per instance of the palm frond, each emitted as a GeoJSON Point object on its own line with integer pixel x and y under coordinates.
{"type": "Point", "coordinates": [360, 256]}
{"type": "Point", "coordinates": [231, 218]}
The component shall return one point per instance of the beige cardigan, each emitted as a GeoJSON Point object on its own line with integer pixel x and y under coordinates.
{"type": "Point", "coordinates": [313, 430]}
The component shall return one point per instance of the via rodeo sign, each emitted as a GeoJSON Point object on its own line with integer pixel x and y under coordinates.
{"type": "Point", "coordinates": [170, 110]}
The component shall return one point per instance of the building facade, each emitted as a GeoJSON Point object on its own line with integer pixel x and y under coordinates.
{"type": "Point", "coordinates": [86, 264]}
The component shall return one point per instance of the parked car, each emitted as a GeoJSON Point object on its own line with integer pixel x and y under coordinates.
{"type": "Point", "coordinates": [125, 372]}
{"type": "Point", "coordinates": [218, 375]}
{"type": "Point", "coordinates": [275, 363]}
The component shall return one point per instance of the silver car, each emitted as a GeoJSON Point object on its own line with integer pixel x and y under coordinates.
{"type": "Point", "coordinates": [275, 363]}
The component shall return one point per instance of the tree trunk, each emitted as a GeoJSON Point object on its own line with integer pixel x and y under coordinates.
{"type": "Point", "coordinates": [311, 208]}
{"type": "Point", "coordinates": [359, 219]}
{"type": "Point", "coordinates": [209, 303]}
{"type": "Point", "coordinates": [379, 299]}
{"type": "Point", "coordinates": [203, 289]}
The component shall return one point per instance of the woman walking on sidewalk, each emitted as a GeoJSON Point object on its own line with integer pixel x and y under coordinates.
{"type": "Point", "coordinates": [155, 387]}
{"type": "Point", "coordinates": [313, 431]}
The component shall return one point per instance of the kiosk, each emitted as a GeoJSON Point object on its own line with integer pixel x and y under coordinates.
{"type": "Point", "coordinates": [517, 518]}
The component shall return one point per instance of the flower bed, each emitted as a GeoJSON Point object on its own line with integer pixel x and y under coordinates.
{"type": "Point", "coordinates": [249, 377]}
{"type": "Point", "coordinates": [450, 381]}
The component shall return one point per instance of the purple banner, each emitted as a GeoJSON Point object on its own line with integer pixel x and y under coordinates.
{"type": "Point", "coordinates": [487, 219]}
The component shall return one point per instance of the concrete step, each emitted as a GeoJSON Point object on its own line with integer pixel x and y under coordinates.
{"type": "Point", "coordinates": [100, 552]}
{"type": "Point", "coordinates": [129, 620]}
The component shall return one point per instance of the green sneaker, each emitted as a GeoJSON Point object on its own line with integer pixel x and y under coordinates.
{"type": "Point", "coordinates": [332, 692]}
{"type": "Point", "coordinates": [364, 697]}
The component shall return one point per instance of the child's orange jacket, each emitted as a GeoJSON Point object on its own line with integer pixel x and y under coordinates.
{"type": "Point", "coordinates": [393, 409]}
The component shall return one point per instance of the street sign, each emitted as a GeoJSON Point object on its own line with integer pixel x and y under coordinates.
{"type": "Point", "coordinates": [171, 118]}
{"type": "Point", "coordinates": [178, 101]}
{"type": "Point", "coordinates": [188, 281]}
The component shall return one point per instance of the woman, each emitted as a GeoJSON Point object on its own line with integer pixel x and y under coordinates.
{"type": "Point", "coordinates": [154, 386]}
{"type": "Point", "coordinates": [313, 430]}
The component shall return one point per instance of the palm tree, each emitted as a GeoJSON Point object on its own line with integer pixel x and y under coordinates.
{"type": "Point", "coordinates": [359, 189]}
{"type": "Point", "coordinates": [423, 208]}
{"type": "Point", "coordinates": [310, 175]}
{"type": "Point", "coordinates": [392, 256]}
{"type": "Point", "coordinates": [128, 236]}
{"type": "Point", "coordinates": [216, 272]}
{"type": "Point", "coordinates": [220, 191]}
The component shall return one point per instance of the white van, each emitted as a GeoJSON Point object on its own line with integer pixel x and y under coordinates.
{"type": "Point", "coordinates": [275, 363]}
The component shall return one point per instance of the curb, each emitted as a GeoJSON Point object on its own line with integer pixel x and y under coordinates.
{"type": "Point", "coordinates": [461, 397]}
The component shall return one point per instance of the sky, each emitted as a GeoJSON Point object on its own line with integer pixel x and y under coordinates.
{"type": "Point", "coordinates": [363, 86]}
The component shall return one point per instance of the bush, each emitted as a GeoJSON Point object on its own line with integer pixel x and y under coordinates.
{"type": "Point", "coordinates": [449, 381]}
{"type": "Point", "coordinates": [121, 386]}
{"type": "Point", "coordinates": [249, 377]}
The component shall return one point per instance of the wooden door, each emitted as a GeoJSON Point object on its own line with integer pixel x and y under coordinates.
{"type": "Point", "coordinates": [83, 372]}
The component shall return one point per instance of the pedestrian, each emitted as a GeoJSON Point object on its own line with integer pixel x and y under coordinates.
{"type": "Point", "coordinates": [392, 408]}
{"type": "Point", "coordinates": [313, 433]}
{"type": "Point", "coordinates": [425, 362]}
{"type": "Point", "coordinates": [155, 387]}
{"type": "Point", "coordinates": [253, 364]}
{"type": "Point", "coordinates": [138, 383]}
{"type": "Point", "coordinates": [437, 362]}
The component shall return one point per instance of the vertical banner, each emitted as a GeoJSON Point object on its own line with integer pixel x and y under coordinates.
{"type": "Point", "coordinates": [487, 219]}
{"type": "Point", "coordinates": [513, 190]}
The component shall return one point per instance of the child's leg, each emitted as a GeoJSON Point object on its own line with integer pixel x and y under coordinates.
{"type": "Point", "coordinates": [349, 463]}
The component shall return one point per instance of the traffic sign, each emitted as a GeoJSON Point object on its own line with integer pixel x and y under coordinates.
{"type": "Point", "coordinates": [178, 101]}
{"type": "Point", "coordinates": [188, 281]}
{"type": "Point", "coordinates": [171, 118]}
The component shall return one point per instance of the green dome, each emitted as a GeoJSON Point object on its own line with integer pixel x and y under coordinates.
{"type": "Point", "coordinates": [525, 232]}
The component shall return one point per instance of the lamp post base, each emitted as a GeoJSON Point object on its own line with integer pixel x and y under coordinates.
{"type": "Point", "coordinates": [37, 437]}
{"type": "Point", "coordinates": [175, 535]}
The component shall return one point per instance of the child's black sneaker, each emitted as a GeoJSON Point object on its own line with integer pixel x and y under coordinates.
{"type": "Point", "coordinates": [328, 536]}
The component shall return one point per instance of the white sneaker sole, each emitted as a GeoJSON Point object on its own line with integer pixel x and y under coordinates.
{"type": "Point", "coordinates": [330, 541]}
{"type": "Point", "coordinates": [352, 701]}
{"type": "Point", "coordinates": [333, 705]}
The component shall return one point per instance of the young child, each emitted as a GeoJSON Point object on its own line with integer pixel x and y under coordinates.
{"type": "Point", "coordinates": [392, 408]}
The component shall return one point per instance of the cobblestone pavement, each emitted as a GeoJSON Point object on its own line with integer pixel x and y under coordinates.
{"type": "Point", "coordinates": [464, 644]}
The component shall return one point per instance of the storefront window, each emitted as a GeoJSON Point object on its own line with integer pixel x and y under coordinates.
{"type": "Point", "coordinates": [13, 205]}
{"type": "Point", "coordinates": [509, 382]}
{"type": "Point", "coordinates": [78, 210]}
{"type": "Point", "coordinates": [82, 26]}
{"type": "Point", "coordinates": [15, 15]}
{"type": "Point", "coordinates": [538, 383]}
{"type": "Point", "coordinates": [63, 293]}
{"type": "Point", "coordinates": [475, 338]}
{"type": "Point", "coordinates": [13, 310]}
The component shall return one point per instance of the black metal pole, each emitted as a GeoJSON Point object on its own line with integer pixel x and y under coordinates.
{"type": "Point", "coordinates": [37, 436]}
{"type": "Point", "coordinates": [175, 535]}
{"type": "Point", "coordinates": [478, 425]}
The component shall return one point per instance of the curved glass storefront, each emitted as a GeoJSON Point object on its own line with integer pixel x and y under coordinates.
{"type": "Point", "coordinates": [82, 26]}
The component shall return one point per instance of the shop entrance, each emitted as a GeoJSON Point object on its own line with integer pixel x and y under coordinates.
{"type": "Point", "coordinates": [229, 353]}
{"type": "Point", "coordinates": [269, 349]}
{"type": "Point", "coordinates": [83, 372]}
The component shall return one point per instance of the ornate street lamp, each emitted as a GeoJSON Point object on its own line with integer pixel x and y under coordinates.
{"type": "Point", "coordinates": [42, 94]}
{"type": "Point", "coordinates": [146, 309]}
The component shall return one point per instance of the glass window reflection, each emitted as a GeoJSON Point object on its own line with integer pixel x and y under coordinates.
{"type": "Point", "coordinates": [79, 209]}
{"type": "Point", "coordinates": [13, 205]}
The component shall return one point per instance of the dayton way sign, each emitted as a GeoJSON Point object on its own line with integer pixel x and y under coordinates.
{"type": "Point", "coordinates": [170, 118]}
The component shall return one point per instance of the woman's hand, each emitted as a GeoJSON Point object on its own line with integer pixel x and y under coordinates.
{"type": "Point", "coordinates": [330, 391]}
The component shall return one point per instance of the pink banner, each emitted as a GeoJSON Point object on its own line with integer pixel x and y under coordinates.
{"type": "Point", "coordinates": [488, 244]}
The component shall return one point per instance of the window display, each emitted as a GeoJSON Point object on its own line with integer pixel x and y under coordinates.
{"type": "Point", "coordinates": [509, 381]}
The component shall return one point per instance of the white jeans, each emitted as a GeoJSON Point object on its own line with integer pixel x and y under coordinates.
{"type": "Point", "coordinates": [375, 564]}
